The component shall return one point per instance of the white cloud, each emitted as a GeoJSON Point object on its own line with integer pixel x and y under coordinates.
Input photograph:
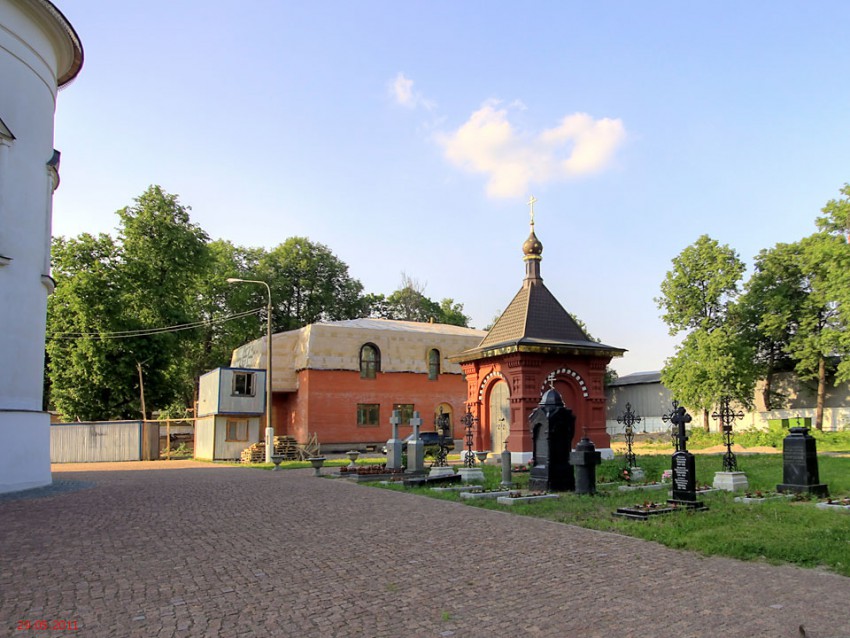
{"type": "Point", "coordinates": [401, 90]}
{"type": "Point", "coordinates": [487, 143]}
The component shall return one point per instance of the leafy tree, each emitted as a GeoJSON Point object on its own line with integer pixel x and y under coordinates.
{"type": "Point", "coordinates": [697, 296]}
{"type": "Point", "coordinates": [709, 365]}
{"type": "Point", "coordinates": [819, 328]}
{"type": "Point", "coordinates": [143, 280]}
{"type": "Point", "coordinates": [836, 215]}
{"type": "Point", "coordinates": [409, 303]}
{"type": "Point", "coordinates": [768, 310]}
{"type": "Point", "coordinates": [308, 284]}
{"type": "Point", "coordinates": [697, 293]}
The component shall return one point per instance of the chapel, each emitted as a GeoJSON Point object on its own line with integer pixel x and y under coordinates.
{"type": "Point", "coordinates": [535, 344]}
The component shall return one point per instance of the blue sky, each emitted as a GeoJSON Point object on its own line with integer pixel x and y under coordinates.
{"type": "Point", "coordinates": [407, 136]}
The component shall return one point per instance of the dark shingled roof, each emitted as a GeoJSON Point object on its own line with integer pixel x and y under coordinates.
{"type": "Point", "coordinates": [536, 321]}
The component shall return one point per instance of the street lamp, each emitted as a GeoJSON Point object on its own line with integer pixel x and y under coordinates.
{"type": "Point", "coordinates": [269, 427]}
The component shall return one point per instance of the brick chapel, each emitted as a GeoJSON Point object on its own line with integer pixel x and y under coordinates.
{"type": "Point", "coordinates": [533, 345]}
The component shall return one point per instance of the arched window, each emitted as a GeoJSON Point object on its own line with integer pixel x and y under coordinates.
{"type": "Point", "coordinates": [370, 361]}
{"type": "Point", "coordinates": [433, 364]}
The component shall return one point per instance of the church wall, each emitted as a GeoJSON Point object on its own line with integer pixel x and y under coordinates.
{"type": "Point", "coordinates": [35, 49]}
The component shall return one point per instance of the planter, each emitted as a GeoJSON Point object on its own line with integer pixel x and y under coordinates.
{"type": "Point", "coordinates": [317, 462]}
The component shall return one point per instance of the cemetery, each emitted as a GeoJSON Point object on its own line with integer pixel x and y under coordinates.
{"type": "Point", "coordinates": [783, 516]}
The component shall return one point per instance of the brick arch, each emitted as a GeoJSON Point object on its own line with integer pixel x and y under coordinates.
{"type": "Point", "coordinates": [487, 380]}
{"type": "Point", "coordinates": [562, 374]}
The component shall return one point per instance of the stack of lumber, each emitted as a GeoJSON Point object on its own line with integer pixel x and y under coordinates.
{"type": "Point", "coordinates": [284, 446]}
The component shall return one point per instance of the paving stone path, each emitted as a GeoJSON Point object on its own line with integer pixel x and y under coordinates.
{"type": "Point", "coordinates": [191, 549]}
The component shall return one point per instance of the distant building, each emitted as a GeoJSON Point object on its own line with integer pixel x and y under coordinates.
{"type": "Point", "coordinates": [341, 380]}
{"type": "Point", "coordinates": [648, 399]}
{"type": "Point", "coordinates": [39, 52]}
{"type": "Point", "coordinates": [792, 399]}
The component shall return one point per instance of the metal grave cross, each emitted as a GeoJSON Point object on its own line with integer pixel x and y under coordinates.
{"type": "Point", "coordinates": [629, 419]}
{"type": "Point", "coordinates": [668, 418]}
{"type": "Point", "coordinates": [727, 416]}
{"type": "Point", "coordinates": [680, 419]}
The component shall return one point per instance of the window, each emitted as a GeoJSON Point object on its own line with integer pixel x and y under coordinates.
{"type": "Point", "coordinates": [370, 361]}
{"type": "Point", "coordinates": [244, 384]}
{"type": "Point", "coordinates": [406, 410]}
{"type": "Point", "coordinates": [433, 364]}
{"type": "Point", "coordinates": [237, 430]}
{"type": "Point", "coordinates": [368, 414]}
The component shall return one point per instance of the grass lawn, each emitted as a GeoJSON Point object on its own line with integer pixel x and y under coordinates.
{"type": "Point", "coordinates": [790, 530]}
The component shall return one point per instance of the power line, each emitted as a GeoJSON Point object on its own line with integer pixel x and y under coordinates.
{"type": "Point", "coordinates": [146, 332]}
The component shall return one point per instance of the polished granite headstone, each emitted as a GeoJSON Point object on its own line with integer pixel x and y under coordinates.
{"type": "Point", "coordinates": [800, 464]}
{"type": "Point", "coordinates": [552, 427]}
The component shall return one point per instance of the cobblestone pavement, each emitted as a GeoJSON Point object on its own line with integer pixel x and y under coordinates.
{"type": "Point", "coordinates": [192, 549]}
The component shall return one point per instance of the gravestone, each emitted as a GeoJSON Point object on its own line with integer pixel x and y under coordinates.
{"type": "Point", "coordinates": [507, 480]}
{"type": "Point", "coordinates": [800, 464]}
{"type": "Point", "coordinates": [394, 445]}
{"type": "Point", "coordinates": [552, 429]}
{"type": "Point", "coordinates": [684, 466]}
{"type": "Point", "coordinates": [585, 458]}
{"type": "Point", "coordinates": [415, 448]}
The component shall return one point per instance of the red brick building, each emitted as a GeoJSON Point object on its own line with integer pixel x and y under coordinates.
{"type": "Point", "coordinates": [535, 342]}
{"type": "Point", "coordinates": [341, 380]}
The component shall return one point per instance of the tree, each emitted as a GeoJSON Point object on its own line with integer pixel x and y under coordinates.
{"type": "Point", "coordinates": [309, 284]}
{"type": "Point", "coordinates": [836, 215]}
{"type": "Point", "coordinates": [409, 303]}
{"type": "Point", "coordinates": [768, 310]}
{"type": "Point", "coordinates": [697, 293]}
{"type": "Point", "coordinates": [710, 365]}
{"type": "Point", "coordinates": [697, 296]}
{"type": "Point", "coordinates": [819, 329]}
{"type": "Point", "coordinates": [107, 290]}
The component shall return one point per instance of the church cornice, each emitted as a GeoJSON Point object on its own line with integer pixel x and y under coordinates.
{"type": "Point", "coordinates": [549, 348]}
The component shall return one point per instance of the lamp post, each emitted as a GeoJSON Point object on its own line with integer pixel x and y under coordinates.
{"type": "Point", "coordinates": [269, 427]}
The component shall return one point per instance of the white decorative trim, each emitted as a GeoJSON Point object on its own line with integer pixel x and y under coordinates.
{"type": "Point", "coordinates": [567, 372]}
{"type": "Point", "coordinates": [486, 380]}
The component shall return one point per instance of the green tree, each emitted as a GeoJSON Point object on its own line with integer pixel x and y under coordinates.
{"type": "Point", "coordinates": [697, 297]}
{"type": "Point", "coordinates": [819, 330]}
{"type": "Point", "coordinates": [409, 303]}
{"type": "Point", "coordinates": [710, 365]}
{"type": "Point", "coordinates": [146, 279]}
{"type": "Point", "coordinates": [309, 284]}
{"type": "Point", "coordinates": [836, 215]}
{"type": "Point", "coordinates": [768, 311]}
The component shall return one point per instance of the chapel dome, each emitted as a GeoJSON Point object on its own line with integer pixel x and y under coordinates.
{"type": "Point", "coordinates": [532, 248]}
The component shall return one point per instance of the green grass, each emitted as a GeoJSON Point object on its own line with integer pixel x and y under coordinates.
{"type": "Point", "coordinates": [790, 530]}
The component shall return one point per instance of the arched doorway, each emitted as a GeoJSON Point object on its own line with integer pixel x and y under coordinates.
{"type": "Point", "coordinates": [499, 416]}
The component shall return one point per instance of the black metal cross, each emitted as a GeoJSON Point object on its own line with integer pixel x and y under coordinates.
{"type": "Point", "coordinates": [680, 419]}
{"type": "Point", "coordinates": [468, 421]}
{"type": "Point", "coordinates": [442, 422]}
{"type": "Point", "coordinates": [727, 417]}
{"type": "Point", "coordinates": [669, 417]}
{"type": "Point", "coordinates": [629, 419]}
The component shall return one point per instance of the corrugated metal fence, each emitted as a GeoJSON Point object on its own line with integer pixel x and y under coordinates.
{"type": "Point", "coordinates": [102, 441]}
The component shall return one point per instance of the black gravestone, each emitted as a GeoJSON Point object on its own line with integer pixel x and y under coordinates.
{"type": "Point", "coordinates": [585, 459]}
{"type": "Point", "coordinates": [684, 477]}
{"type": "Point", "coordinates": [552, 427]}
{"type": "Point", "coordinates": [800, 464]}
{"type": "Point", "coordinates": [684, 466]}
